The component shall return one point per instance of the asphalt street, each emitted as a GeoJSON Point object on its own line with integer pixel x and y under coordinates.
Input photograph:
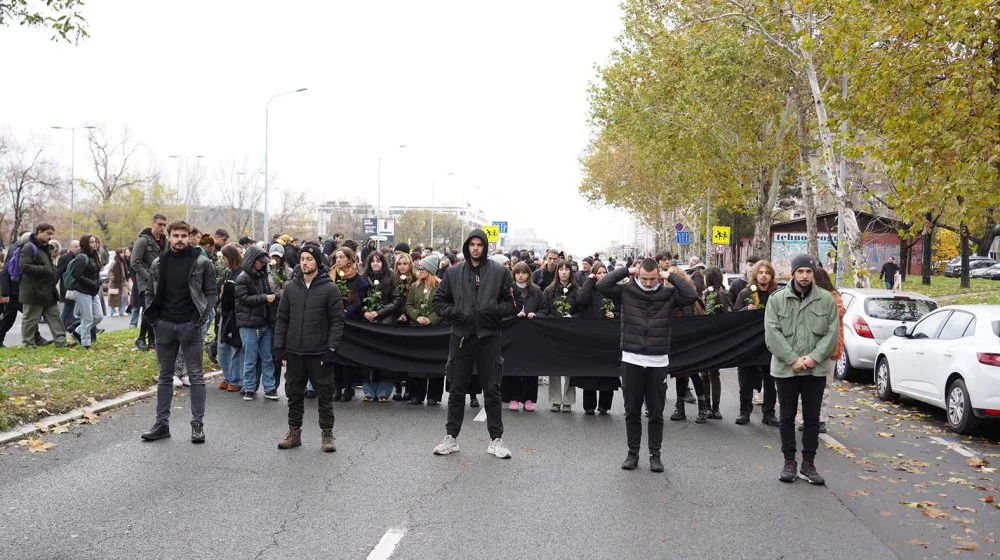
{"type": "Point", "coordinates": [101, 493]}
{"type": "Point", "coordinates": [13, 337]}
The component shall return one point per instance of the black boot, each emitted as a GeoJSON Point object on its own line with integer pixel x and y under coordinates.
{"type": "Point", "coordinates": [702, 411]}
{"type": "Point", "coordinates": [679, 413]}
{"type": "Point", "coordinates": [631, 462]}
{"type": "Point", "coordinates": [655, 465]}
{"type": "Point", "coordinates": [788, 471]}
{"type": "Point", "coordinates": [158, 431]}
{"type": "Point", "coordinates": [770, 420]}
{"type": "Point", "coordinates": [714, 413]}
{"type": "Point", "coordinates": [197, 432]}
{"type": "Point", "coordinates": [743, 419]}
{"type": "Point", "coordinates": [809, 471]}
{"type": "Point", "coordinates": [689, 396]}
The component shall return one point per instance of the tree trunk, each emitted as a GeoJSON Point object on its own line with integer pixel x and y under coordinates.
{"type": "Point", "coordinates": [964, 236]}
{"type": "Point", "coordinates": [985, 241]}
{"type": "Point", "coordinates": [925, 278]}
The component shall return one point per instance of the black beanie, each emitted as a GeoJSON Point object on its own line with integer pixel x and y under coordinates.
{"type": "Point", "coordinates": [403, 248]}
{"type": "Point", "coordinates": [315, 252]}
{"type": "Point", "coordinates": [803, 260]}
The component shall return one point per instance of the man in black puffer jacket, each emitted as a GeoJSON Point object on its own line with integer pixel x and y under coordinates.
{"type": "Point", "coordinates": [647, 319]}
{"type": "Point", "coordinates": [256, 313]}
{"type": "Point", "coordinates": [474, 296]}
{"type": "Point", "coordinates": [307, 333]}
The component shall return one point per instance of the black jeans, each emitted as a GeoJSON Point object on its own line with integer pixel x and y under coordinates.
{"type": "Point", "coordinates": [468, 354]}
{"type": "Point", "coordinates": [175, 339]}
{"type": "Point", "coordinates": [750, 378]}
{"type": "Point", "coordinates": [145, 330]}
{"type": "Point", "coordinates": [810, 388]}
{"type": "Point", "coordinates": [421, 388]}
{"type": "Point", "coordinates": [519, 388]}
{"type": "Point", "coordinates": [590, 400]}
{"type": "Point", "coordinates": [302, 370]}
{"type": "Point", "coordinates": [10, 311]}
{"type": "Point", "coordinates": [642, 384]}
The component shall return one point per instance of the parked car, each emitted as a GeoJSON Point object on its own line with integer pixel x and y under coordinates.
{"type": "Point", "coordinates": [949, 359]}
{"type": "Point", "coordinates": [954, 267]}
{"type": "Point", "coordinates": [871, 316]}
{"type": "Point", "coordinates": [990, 272]}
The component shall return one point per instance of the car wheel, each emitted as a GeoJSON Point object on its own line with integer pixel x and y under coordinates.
{"type": "Point", "coordinates": [883, 384]}
{"type": "Point", "coordinates": [843, 370]}
{"type": "Point", "coordinates": [961, 419]}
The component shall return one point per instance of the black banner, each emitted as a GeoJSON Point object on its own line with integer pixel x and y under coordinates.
{"type": "Point", "coordinates": [572, 347]}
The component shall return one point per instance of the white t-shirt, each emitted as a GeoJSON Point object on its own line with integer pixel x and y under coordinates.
{"type": "Point", "coordinates": [643, 360]}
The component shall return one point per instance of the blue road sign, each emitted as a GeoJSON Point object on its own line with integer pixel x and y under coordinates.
{"type": "Point", "coordinates": [502, 226]}
{"type": "Point", "coordinates": [683, 237]}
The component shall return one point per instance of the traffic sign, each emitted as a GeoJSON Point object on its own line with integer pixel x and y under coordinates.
{"type": "Point", "coordinates": [369, 225]}
{"type": "Point", "coordinates": [678, 227]}
{"type": "Point", "coordinates": [683, 237]}
{"type": "Point", "coordinates": [492, 233]}
{"type": "Point", "coordinates": [721, 249]}
{"type": "Point", "coordinates": [502, 226]}
{"type": "Point", "coordinates": [379, 238]}
{"type": "Point", "coordinates": [721, 234]}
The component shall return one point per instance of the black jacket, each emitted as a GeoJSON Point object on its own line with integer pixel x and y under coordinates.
{"type": "Point", "coordinates": [202, 286]}
{"type": "Point", "coordinates": [647, 317]}
{"type": "Point", "coordinates": [590, 304]}
{"type": "Point", "coordinates": [554, 293]}
{"type": "Point", "coordinates": [38, 274]}
{"type": "Point", "coordinates": [474, 300]}
{"type": "Point", "coordinates": [86, 274]}
{"type": "Point", "coordinates": [391, 308]}
{"type": "Point", "coordinates": [310, 320]}
{"type": "Point", "coordinates": [542, 277]}
{"type": "Point", "coordinates": [61, 265]}
{"type": "Point", "coordinates": [145, 250]}
{"type": "Point", "coordinates": [735, 287]}
{"type": "Point", "coordinates": [740, 303]}
{"type": "Point", "coordinates": [530, 299]}
{"type": "Point", "coordinates": [252, 289]}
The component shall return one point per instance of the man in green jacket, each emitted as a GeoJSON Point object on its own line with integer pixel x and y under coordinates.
{"type": "Point", "coordinates": [801, 326]}
{"type": "Point", "coordinates": [38, 287]}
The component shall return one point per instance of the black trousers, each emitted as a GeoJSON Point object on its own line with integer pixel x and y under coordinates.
{"type": "Point", "coordinates": [750, 378]}
{"type": "Point", "coordinates": [518, 388]}
{"type": "Point", "coordinates": [303, 369]}
{"type": "Point", "coordinates": [145, 329]}
{"type": "Point", "coordinates": [810, 388]}
{"type": "Point", "coordinates": [421, 388]}
{"type": "Point", "coordinates": [468, 354]}
{"type": "Point", "coordinates": [642, 384]}
{"type": "Point", "coordinates": [590, 400]}
{"type": "Point", "coordinates": [344, 378]}
{"type": "Point", "coordinates": [10, 311]}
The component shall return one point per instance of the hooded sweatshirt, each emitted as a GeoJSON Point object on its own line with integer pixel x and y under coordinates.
{"type": "Point", "coordinates": [252, 289]}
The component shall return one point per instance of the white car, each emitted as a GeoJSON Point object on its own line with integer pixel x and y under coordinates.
{"type": "Point", "coordinates": [949, 359]}
{"type": "Point", "coordinates": [871, 316]}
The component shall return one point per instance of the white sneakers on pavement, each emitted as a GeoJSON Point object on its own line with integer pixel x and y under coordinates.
{"type": "Point", "coordinates": [447, 446]}
{"type": "Point", "coordinates": [498, 449]}
{"type": "Point", "coordinates": [178, 382]}
{"type": "Point", "coordinates": [182, 381]}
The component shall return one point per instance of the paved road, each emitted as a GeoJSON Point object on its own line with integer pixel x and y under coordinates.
{"type": "Point", "coordinates": [13, 337]}
{"type": "Point", "coordinates": [101, 493]}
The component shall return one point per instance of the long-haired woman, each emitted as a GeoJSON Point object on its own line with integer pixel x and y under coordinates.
{"type": "Point", "coordinates": [822, 279]}
{"type": "Point", "coordinates": [696, 308]}
{"type": "Point", "coordinates": [230, 345]}
{"type": "Point", "coordinates": [593, 305]}
{"type": "Point", "coordinates": [717, 300]}
{"type": "Point", "coordinates": [561, 296]}
{"type": "Point", "coordinates": [763, 283]}
{"type": "Point", "coordinates": [86, 273]}
{"type": "Point", "coordinates": [382, 306]}
{"type": "Point", "coordinates": [354, 288]}
{"type": "Point", "coordinates": [403, 270]}
{"type": "Point", "coordinates": [418, 309]}
{"type": "Point", "coordinates": [530, 303]}
{"type": "Point", "coordinates": [118, 277]}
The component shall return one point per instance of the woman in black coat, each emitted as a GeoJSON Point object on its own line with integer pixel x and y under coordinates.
{"type": "Point", "coordinates": [86, 273]}
{"type": "Point", "coordinates": [382, 306]}
{"type": "Point", "coordinates": [717, 300]}
{"type": "Point", "coordinates": [530, 303]}
{"type": "Point", "coordinates": [593, 305]}
{"type": "Point", "coordinates": [562, 296]}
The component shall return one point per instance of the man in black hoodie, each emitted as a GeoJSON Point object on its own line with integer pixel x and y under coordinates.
{"type": "Point", "coordinates": [473, 297]}
{"type": "Point", "coordinates": [256, 313]}
{"type": "Point", "coordinates": [648, 306]}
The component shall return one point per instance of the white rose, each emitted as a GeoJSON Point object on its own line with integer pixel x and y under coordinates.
{"type": "Point", "coordinates": [376, 282]}
{"type": "Point", "coordinates": [565, 290]}
{"type": "Point", "coordinates": [753, 288]}
{"type": "Point", "coordinates": [340, 273]}
{"type": "Point", "coordinates": [403, 278]}
{"type": "Point", "coordinates": [426, 291]}
{"type": "Point", "coordinates": [711, 288]}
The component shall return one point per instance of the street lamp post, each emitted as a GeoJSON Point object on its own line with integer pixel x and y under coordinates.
{"type": "Point", "coordinates": [187, 188]}
{"type": "Point", "coordinates": [72, 175]}
{"type": "Point", "coordinates": [267, 198]}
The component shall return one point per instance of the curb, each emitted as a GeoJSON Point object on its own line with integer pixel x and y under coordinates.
{"type": "Point", "coordinates": [50, 422]}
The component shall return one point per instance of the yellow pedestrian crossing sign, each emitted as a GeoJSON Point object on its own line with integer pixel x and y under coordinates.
{"type": "Point", "coordinates": [492, 233]}
{"type": "Point", "coordinates": [720, 235]}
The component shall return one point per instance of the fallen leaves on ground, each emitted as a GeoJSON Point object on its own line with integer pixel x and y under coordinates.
{"type": "Point", "coordinates": [962, 544]}
{"type": "Point", "coordinates": [977, 462]}
{"type": "Point", "coordinates": [859, 493]}
{"type": "Point", "coordinates": [911, 466]}
{"type": "Point", "coordinates": [918, 542]}
{"type": "Point", "coordinates": [39, 446]}
{"type": "Point", "coordinates": [885, 434]}
{"type": "Point", "coordinates": [965, 509]}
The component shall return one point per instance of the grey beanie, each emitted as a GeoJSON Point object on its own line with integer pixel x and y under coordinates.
{"type": "Point", "coordinates": [500, 259]}
{"type": "Point", "coordinates": [803, 260]}
{"type": "Point", "coordinates": [430, 263]}
{"type": "Point", "coordinates": [276, 250]}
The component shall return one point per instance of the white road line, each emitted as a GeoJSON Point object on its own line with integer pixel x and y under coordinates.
{"type": "Point", "coordinates": [481, 417]}
{"type": "Point", "coordinates": [387, 544]}
{"type": "Point", "coordinates": [829, 439]}
{"type": "Point", "coordinates": [954, 446]}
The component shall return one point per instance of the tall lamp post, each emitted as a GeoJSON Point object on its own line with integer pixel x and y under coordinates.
{"type": "Point", "coordinates": [449, 174]}
{"type": "Point", "coordinates": [72, 175]}
{"type": "Point", "coordinates": [187, 189]}
{"type": "Point", "coordinates": [267, 198]}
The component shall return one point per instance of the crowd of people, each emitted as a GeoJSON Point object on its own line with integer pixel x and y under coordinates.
{"type": "Point", "coordinates": [263, 309]}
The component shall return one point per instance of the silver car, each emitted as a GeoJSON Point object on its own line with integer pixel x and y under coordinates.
{"type": "Point", "coordinates": [871, 317]}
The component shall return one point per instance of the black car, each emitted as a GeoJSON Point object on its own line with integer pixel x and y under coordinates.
{"type": "Point", "coordinates": [954, 267]}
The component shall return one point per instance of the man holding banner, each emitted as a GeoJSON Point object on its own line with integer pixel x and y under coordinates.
{"type": "Point", "coordinates": [474, 296]}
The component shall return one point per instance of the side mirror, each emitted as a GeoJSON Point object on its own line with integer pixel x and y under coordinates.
{"type": "Point", "coordinates": [900, 331]}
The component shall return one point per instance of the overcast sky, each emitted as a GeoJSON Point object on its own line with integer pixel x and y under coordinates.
{"type": "Point", "coordinates": [494, 92]}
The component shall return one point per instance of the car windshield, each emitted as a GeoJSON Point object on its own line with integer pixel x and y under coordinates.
{"type": "Point", "coordinates": [898, 309]}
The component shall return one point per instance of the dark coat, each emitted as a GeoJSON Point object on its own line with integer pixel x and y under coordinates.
{"type": "Point", "coordinates": [229, 333]}
{"type": "Point", "coordinates": [86, 274]}
{"type": "Point", "coordinates": [542, 277]}
{"type": "Point", "coordinates": [61, 265]}
{"type": "Point", "coordinates": [740, 303]}
{"type": "Point", "coordinates": [723, 302]}
{"type": "Point", "coordinates": [554, 293]}
{"type": "Point", "coordinates": [252, 289]}
{"type": "Point", "coordinates": [310, 320]}
{"type": "Point", "coordinates": [38, 274]}
{"type": "Point", "coordinates": [392, 303]}
{"type": "Point", "coordinates": [202, 284]}
{"type": "Point", "coordinates": [145, 250]}
{"type": "Point", "coordinates": [647, 317]}
{"type": "Point", "coordinates": [735, 287]}
{"type": "Point", "coordinates": [474, 301]}
{"type": "Point", "coordinates": [8, 287]}
{"type": "Point", "coordinates": [530, 299]}
{"type": "Point", "coordinates": [590, 304]}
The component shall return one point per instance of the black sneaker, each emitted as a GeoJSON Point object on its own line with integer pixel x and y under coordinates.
{"type": "Point", "coordinates": [271, 395]}
{"type": "Point", "coordinates": [76, 335]}
{"type": "Point", "coordinates": [473, 402]}
{"type": "Point", "coordinates": [197, 432]}
{"type": "Point", "coordinates": [139, 344]}
{"type": "Point", "coordinates": [822, 427]}
{"type": "Point", "coordinates": [249, 395]}
{"type": "Point", "coordinates": [655, 465]}
{"type": "Point", "coordinates": [588, 412]}
{"type": "Point", "coordinates": [788, 471]}
{"type": "Point", "coordinates": [770, 420]}
{"type": "Point", "coordinates": [631, 462]}
{"type": "Point", "coordinates": [743, 419]}
{"type": "Point", "coordinates": [809, 471]}
{"type": "Point", "coordinates": [431, 402]}
{"type": "Point", "coordinates": [43, 342]}
{"type": "Point", "coordinates": [689, 397]}
{"type": "Point", "coordinates": [158, 431]}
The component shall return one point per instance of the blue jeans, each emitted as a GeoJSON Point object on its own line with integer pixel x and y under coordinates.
{"type": "Point", "coordinates": [67, 313]}
{"type": "Point", "coordinates": [888, 284]}
{"type": "Point", "coordinates": [257, 346]}
{"type": "Point", "coordinates": [381, 389]}
{"type": "Point", "coordinates": [231, 361]}
{"type": "Point", "coordinates": [208, 323]}
{"type": "Point", "coordinates": [88, 308]}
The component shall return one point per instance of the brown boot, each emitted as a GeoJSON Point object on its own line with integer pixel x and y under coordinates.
{"type": "Point", "coordinates": [293, 439]}
{"type": "Point", "coordinates": [329, 442]}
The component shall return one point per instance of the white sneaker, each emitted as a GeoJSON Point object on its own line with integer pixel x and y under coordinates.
{"type": "Point", "coordinates": [498, 449]}
{"type": "Point", "coordinates": [186, 381]}
{"type": "Point", "coordinates": [758, 399]}
{"type": "Point", "coordinates": [178, 382]}
{"type": "Point", "coordinates": [447, 446]}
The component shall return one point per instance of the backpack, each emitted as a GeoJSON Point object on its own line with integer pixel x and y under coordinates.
{"type": "Point", "coordinates": [14, 260]}
{"type": "Point", "coordinates": [67, 278]}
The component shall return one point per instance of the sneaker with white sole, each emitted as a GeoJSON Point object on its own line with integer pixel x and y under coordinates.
{"type": "Point", "coordinates": [498, 449]}
{"type": "Point", "coordinates": [178, 382]}
{"type": "Point", "coordinates": [447, 446]}
{"type": "Point", "coordinates": [186, 381]}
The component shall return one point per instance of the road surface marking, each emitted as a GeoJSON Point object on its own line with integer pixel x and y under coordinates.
{"type": "Point", "coordinates": [387, 544]}
{"type": "Point", "coordinates": [956, 447]}
{"type": "Point", "coordinates": [481, 417]}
